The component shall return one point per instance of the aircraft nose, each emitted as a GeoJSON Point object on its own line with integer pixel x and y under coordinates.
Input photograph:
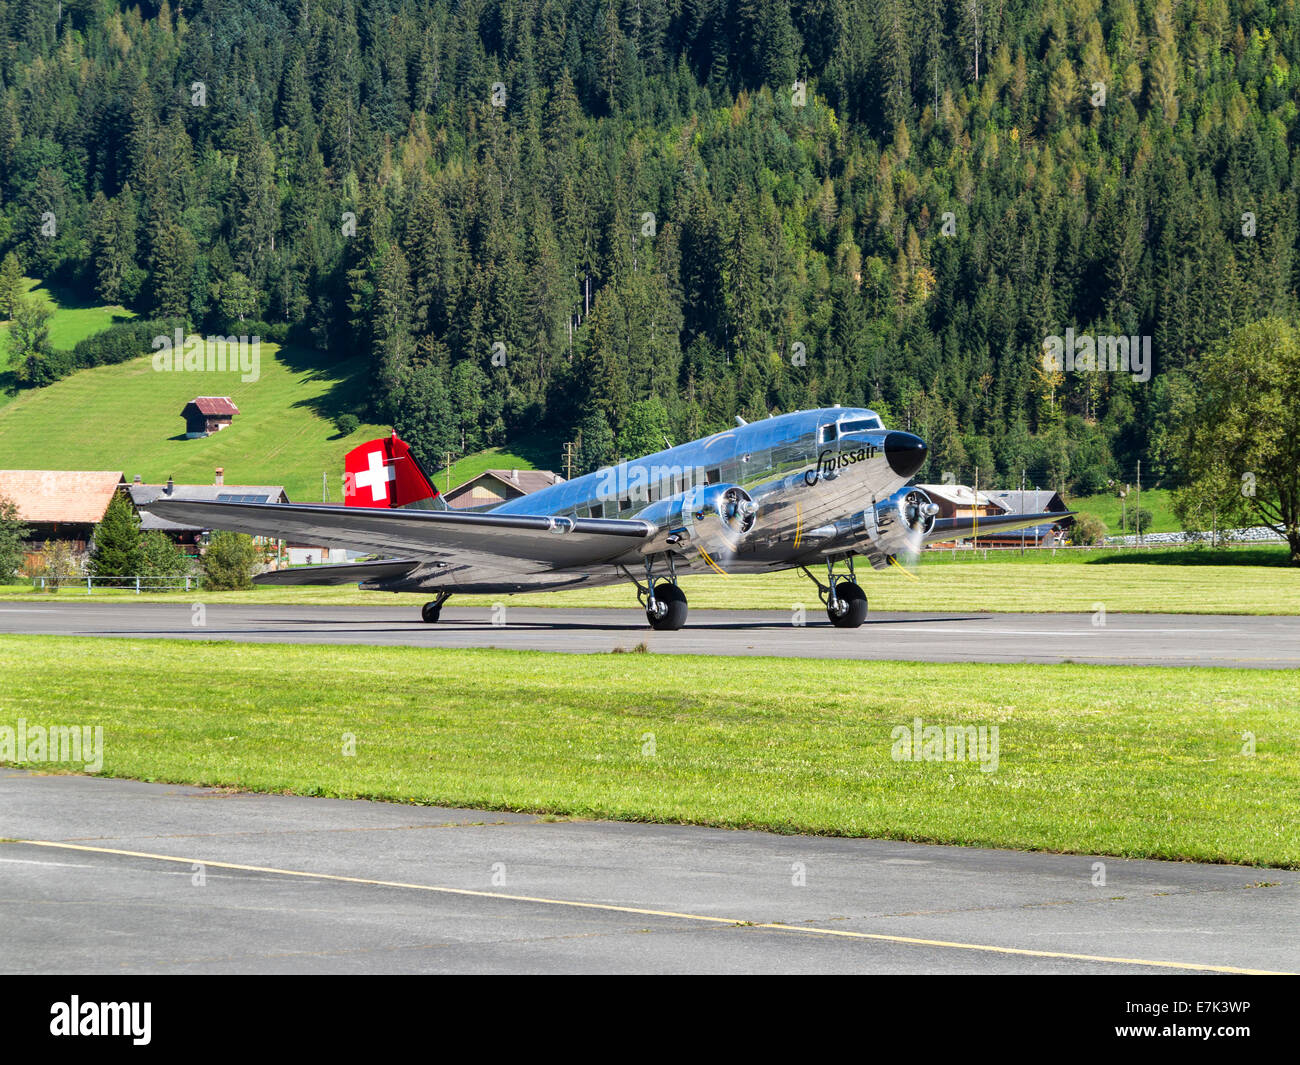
{"type": "Point", "coordinates": [905, 453]}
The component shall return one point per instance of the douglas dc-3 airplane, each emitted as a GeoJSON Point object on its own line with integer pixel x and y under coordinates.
{"type": "Point", "coordinates": [811, 488]}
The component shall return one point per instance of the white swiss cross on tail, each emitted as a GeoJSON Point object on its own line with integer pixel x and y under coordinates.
{"type": "Point", "coordinates": [384, 473]}
{"type": "Point", "coordinates": [376, 476]}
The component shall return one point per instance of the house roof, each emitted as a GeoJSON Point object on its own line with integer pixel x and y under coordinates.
{"type": "Point", "coordinates": [959, 494]}
{"type": "Point", "coordinates": [79, 496]}
{"type": "Point", "coordinates": [525, 481]}
{"type": "Point", "coordinates": [1031, 502]}
{"type": "Point", "coordinates": [144, 494]}
{"type": "Point", "coordinates": [212, 405]}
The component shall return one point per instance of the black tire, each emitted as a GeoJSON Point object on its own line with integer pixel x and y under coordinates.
{"type": "Point", "coordinates": [852, 602]}
{"type": "Point", "coordinates": [672, 609]}
{"type": "Point", "coordinates": [430, 611]}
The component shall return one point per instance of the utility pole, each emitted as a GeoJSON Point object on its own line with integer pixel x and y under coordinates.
{"type": "Point", "coordinates": [1139, 502]}
{"type": "Point", "coordinates": [446, 458]}
{"type": "Point", "coordinates": [1022, 510]}
{"type": "Point", "coordinates": [569, 447]}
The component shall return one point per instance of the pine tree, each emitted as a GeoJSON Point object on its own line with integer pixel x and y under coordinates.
{"type": "Point", "coordinates": [113, 239]}
{"type": "Point", "coordinates": [171, 267]}
{"type": "Point", "coordinates": [117, 551]}
{"type": "Point", "coordinates": [644, 429]}
{"type": "Point", "coordinates": [11, 283]}
{"type": "Point", "coordinates": [596, 448]}
{"type": "Point", "coordinates": [422, 415]}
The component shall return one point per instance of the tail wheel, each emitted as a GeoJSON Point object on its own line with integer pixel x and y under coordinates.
{"type": "Point", "coordinates": [669, 612]}
{"type": "Point", "coordinates": [848, 609]}
{"type": "Point", "coordinates": [430, 612]}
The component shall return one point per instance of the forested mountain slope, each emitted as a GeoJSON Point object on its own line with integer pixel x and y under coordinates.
{"type": "Point", "coordinates": [636, 218]}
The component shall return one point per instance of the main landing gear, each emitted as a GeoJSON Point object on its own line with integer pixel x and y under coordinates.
{"type": "Point", "coordinates": [846, 603]}
{"type": "Point", "coordinates": [431, 610]}
{"type": "Point", "coordinates": [664, 602]}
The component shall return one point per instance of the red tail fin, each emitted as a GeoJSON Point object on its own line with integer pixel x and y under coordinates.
{"type": "Point", "coordinates": [384, 473]}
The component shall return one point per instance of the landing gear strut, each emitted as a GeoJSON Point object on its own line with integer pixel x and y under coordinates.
{"type": "Point", "coordinates": [430, 611]}
{"type": "Point", "coordinates": [664, 602]}
{"type": "Point", "coordinates": [846, 602]}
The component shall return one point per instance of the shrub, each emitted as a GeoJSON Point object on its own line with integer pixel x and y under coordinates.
{"type": "Point", "coordinates": [270, 332]}
{"type": "Point", "coordinates": [123, 341]}
{"type": "Point", "coordinates": [56, 562]}
{"type": "Point", "coordinates": [1087, 530]}
{"type": "Point", "coordinates": [348, 424]}
{"type": "Point", "coordinates": [229, 561]}
{"type": "Point", "coordinates": [42, 368]}
{"type": "Point", "coordinates": [161, 557]}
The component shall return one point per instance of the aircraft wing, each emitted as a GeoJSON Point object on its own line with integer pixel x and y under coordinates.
{"type": "Point", "coordinates": [512, 543]}
{"type": "Point", "coordinates": [959, 528]}
{"type": "Point", "coordinates": [384, 569]}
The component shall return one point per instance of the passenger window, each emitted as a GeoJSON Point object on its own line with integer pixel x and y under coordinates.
{"type": "Point", "coordinates": [596, 511]}
{"type": "Point", "coordinates": [713, 476]}
{"type": "Point", "coordinates": [829, 433]}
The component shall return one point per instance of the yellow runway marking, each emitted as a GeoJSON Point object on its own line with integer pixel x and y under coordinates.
{"type": "Point", "coordinates": [642, 912]}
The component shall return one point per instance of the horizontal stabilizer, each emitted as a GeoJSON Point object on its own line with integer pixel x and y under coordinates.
{"type": "Point", "coordinates": [959, 528]}
{"type": "Point", "coordinates": [345, 573]}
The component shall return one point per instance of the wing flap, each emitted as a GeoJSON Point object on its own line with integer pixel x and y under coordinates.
{"type": "Point", "coordinates": [345, 573]}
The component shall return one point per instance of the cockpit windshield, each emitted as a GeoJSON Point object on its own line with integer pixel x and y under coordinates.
{"type": "Point", "coordinates": [858, 425]}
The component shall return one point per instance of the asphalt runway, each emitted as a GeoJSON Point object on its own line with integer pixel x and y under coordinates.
{"type": "Point", "coordinates": [1124, 639]}
{"type": "Point", "coordinates": [223, 882]}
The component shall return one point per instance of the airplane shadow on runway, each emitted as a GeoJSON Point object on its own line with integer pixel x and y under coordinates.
{"type": "Point", "coordinates": [472, 624]}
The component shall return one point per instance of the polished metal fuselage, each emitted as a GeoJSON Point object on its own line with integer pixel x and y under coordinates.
{"type": "Point", "coordinates": [812, 481]}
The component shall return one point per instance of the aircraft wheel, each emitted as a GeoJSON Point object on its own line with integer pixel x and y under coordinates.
{"type": "Point", "coordinates": [671, 612]}
{"type": "Point", "coordinates": [852, 603]}
{"type": "Point", "coordinates": [430, 611]}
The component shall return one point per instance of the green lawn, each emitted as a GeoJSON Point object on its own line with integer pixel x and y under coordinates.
{"type": "Point", "coordinates": [1241, 581]}
{"type": "Point", "coordinates": [1138, 762]}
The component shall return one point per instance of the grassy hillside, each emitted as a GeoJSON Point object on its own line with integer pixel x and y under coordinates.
{"type": "Point", "coordinates": [1106, 506]}
{"type": "Point", "coordinates": [127, 417]}
{"type": "Point", "coordinates": [525, 454]}
{"type": "Point", "coordinates": [73, 320]}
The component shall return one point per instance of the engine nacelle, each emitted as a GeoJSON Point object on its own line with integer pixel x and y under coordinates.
{"type": "Point", "coordinates": [896, 526]}
{"type": "Point", "coordinates": [712, 516]}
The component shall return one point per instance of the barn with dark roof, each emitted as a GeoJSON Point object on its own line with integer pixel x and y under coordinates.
{"type": "Point", "coordinates": [205, 415]}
